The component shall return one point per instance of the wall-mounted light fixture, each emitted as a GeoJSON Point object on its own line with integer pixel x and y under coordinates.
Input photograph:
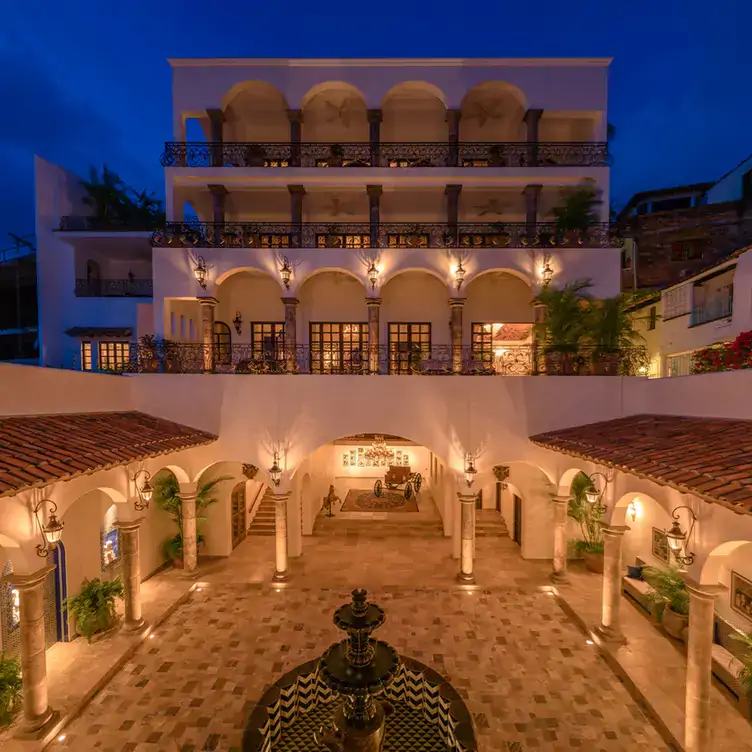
{"type": "Point", "coordinates": [199, 271]}
{"type": "Point", "coordinates": [285, 271]}
{"type": "Point", "coordinates": [238, 322]}
{"type": "Point", "coordinates": [633, 509]}
{"type": "Point", "coordinates": [677, 538]}
{"type": "Point", "coordinates": [145, 491]}
{"type": "Point", "coordinates": [275, 471]}
{"type": "Point", "coordinates": [470, 471]}
{"type": "Point", "coordinates": [52, 531]}
{"type": "Point", "coordinates": [592, 494]}
{"type": "Point", "coordinates": [373, 274]}
{"type": "Point", "coordinates": [459, 274]}
{"type": "Point", "coordinates": [546, 273]}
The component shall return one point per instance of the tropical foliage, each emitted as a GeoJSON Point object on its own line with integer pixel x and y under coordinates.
{"type": "Point", "coordinates": [579, 209]}
{"type": "Point", "coordinates": [588, 516]}
{"type": "Point", "coordinates": [566, 323]}
{"type": "Point", "coordinates": [115, 204]}
{"type": "Point", "coordinates": [745, 672]}
{"type": "Point", "coordinates": [166, 490]}
{"type": "Point", "coordinates": [94, 607]}
{"type": "Point", "coordinates": [726, 356]}
{"type": "Point", "coordinates": [611, 327]}
{"type": "Point", "coordinates": [10, 688]}
{"type": "Point", "coordinates": [667, 586]}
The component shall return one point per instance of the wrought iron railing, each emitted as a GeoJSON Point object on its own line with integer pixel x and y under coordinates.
{"type": "Point", "coordinates": [383, 235]}
{"type": "Point", "coordinates": [385, 154]}
{"type": "Point", "coordinates": [79, 223]}
{"type": "Point", "coordinates": [114, 288]}
{"type": "Point", "coordinates": [436, 360]}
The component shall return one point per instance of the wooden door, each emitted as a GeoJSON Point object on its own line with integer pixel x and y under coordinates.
{"type": "Point", "coordinates": [239, 527]}
{"type": "Point", "coordinates": [517, 520]}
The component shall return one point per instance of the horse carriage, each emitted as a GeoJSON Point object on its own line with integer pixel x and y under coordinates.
{"type": "Point", "coordinates": [398, 478]}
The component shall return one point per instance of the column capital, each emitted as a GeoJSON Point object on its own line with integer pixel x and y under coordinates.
{"type": "Point", "coordinates": [613, 530]}
{"type": "Point", "coordinates": [467, 498]}
{"type": "Point", "coordinates": [29, 581]}
{"type": "Point", "coordinates": [558, 499]}
{"type": "Point", "coordinates": [217, 189]}
{"type": "Point", "coordinates": [374, 191]}
{"type": "Point", "coordinates": [375, 115]}
{"type": "Point", "coordinates": [453, 189]}
{"type": "Point", "coordinates": [296, 189]}
{"type": "Point", "coordinates": [187, 495]}
{"type": "Point", "coordinates": [289, 301]}
{"type": "Point", "coordinates": [457, 302]}
{"type": "Point", "coordinates": [295, 116]}
{"type": "Point", "coordinates": [533, 115]}
{"type": "Point", "coordinates": [703, 592]}
{"type": "Point", "coordinates": [207, 301]}
{"type": "Point", "coordinates": [129, 526]}
{"type": "Point", "coordinates": [280, 497]}
{"type": "Point", "coordinates": [532, 190]}
{"type": "Point", "coordinates": [373, 301]}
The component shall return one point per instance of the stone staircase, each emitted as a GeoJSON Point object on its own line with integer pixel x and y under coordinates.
{"type": "Point", "coordinates": [263, 520]}
{"type": "Point", "coordinates": [490, 524]}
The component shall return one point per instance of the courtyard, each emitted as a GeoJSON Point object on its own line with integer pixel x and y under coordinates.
{"type": "Point", "coordinates": [524, 669]}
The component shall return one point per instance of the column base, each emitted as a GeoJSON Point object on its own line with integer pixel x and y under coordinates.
{"type": "Point", "coordinates": [610, 635]}
{"type": "Point", "coordinates": [560, 578]}
{"type": "Point", "coordinates": [190, 574]}
{"type": "Point", "coordinates": [134, 626]}
{"type": "Point", "coordinates": [37, 727]}
{"type": "Point", "coordinates": [281, 576]}
{"type": "Point", "coordinates": [467, 579]}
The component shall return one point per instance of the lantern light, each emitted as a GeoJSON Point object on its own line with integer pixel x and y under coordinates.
{"type": "Point", "coordinates": [677, 538]}
{"type": "Point", "coordinates": [52, 531]}
{"type": "Point", "coordinates": [145, 491]}
{"type": "Point", "coordinates": [199, 272]}
{"type": "Point", "coordinates": [546, 273]}
{"type": "Point", "coordinates": [285, 271]}
{"type": "Point", "coordinates": [470, 471]}
{"type": "Point", "coordinates": [238, 322]}
{"type": "Point", "coordinates": [275, 471]}
{"type": "Point", "coordinates": [459, 274]}
{"type": "Point", "coordinates": [373, 274]}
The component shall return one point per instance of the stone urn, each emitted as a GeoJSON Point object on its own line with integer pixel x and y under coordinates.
{"type": "Point", "coordinates": [593, 561]}
{"type": "Point", "coordinates": [675, 624]}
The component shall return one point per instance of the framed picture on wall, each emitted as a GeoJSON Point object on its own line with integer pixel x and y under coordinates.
{"type": "Point", "coordinates": [346, 459]}
{"type": "Point", "coordinates": [353, 458]}
{"type": "Point", "coordinates": [660, 545]}
{"type": "Point", "coordinates": [741, 595]}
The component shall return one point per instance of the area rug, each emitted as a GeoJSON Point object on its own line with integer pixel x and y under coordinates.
{"type": "Point", "coordinates": [366, 501]}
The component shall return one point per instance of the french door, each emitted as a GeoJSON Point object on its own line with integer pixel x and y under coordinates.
{"type": "Point", "coordinates": [338, 347]}
{"type": "Point", "coordinates": [409, 346]}
{"type": "Point", "coordinates": [268, 340]}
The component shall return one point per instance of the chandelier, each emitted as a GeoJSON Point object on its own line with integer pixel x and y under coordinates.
{"type": "Point", "coordinates": [378, 450]}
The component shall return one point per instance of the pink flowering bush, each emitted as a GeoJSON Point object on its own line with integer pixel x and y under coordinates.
{"type": "Point", "coordinates": [728, 356]}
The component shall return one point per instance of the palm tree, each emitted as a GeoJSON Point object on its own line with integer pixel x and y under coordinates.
{"type": "Point", "coordinates": [566, 315]}
{"type": "Point", "coordinates": [578, 210]}
{"type": "Point", "coordinates": [612, 328]}
{"type": "Point", "coordinates": [107, 196]}
{"type": "Point", "coordinates": [146, 211]}
{"type": "Point", "coordinates": [586, 515]}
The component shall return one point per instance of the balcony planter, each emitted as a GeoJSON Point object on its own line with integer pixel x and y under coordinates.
{"type": "Point", "coordinates": [606, 362]}
{"type": "Point", "coordinates": [675, 624]}
{"type": "Point", "coordinates": [336, 156]}
{"type": "Point", "coordinates": [254, 156]}
{"type": "Point", "coordinates": [593, 561]}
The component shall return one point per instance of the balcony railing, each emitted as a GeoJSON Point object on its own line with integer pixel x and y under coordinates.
{"type": "Point", "coordinates": [513, 360]}
{"type": "Point", "coordinates": [386, 154]}
{"type": "Point", "coordinates": [384, 235]}
{"type": "Point", "coordinates": [114, 288]}
{"type": "Point", "coordinates": [77, 223]}
{"type": "Point", "coordinates": [713, 310]}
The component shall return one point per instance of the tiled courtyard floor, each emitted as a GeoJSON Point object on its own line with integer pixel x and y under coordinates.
{"type": "Point", "coordinates": [526, 672]}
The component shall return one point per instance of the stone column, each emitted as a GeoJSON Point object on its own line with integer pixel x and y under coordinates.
{"type": "Point", "coordinates": [216, 136]}
{"type": "Point", "coordinates": [452, 193]}
{"type": "Point", "coordinates": [561, 504]}
{"type": "Point", "coordinates": [281, 573]}
{"type": "Point", "coordinates": [291, 333]}
{"type": "Point", "coordinates": [374, 122]}
{"type": "Point", "coordinates": [296, 122]}
{"type": "Point", "coordinates": [374, 212]}
{"type": "Point", "coordinates": [296, 214]}
{"type": "Point", "coordinates": [697, 729]}
{"type": "Point", "coordinates": [532, 198]}
{"type": "Point", "coordinates": [219, 213]}
{"type": "Point", "coordinates": [453, 137]}
{"type": "Point", "coordinates": [532, 121]}
{"type": "Point", "coordinates": [190, 537]}
{"type": "Point", "coordinates": [610, 627]}
{"type": "Point", "coordinates": [467, 531]}
{"type": "Point", "coordinates": [37, 713]}
{"type": "Point", "coordinates": [455, 327]}
{"type": "Point", "coordinates": [131, 562]}
{"type": "Point", "coordinates": [374, 308]}
{"type": "Point", "coordinates": [208, 305]}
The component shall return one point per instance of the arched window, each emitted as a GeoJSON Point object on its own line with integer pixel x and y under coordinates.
{"type": "Point", "coordinates": [222, 343]}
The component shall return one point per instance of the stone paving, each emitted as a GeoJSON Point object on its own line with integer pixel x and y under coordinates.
{"type": "Point", "coordinates": [525, 670]}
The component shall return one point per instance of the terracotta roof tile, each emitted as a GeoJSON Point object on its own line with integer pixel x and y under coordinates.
{"type": "Point", "coordinates": [40, 449]}
{"type": "Point", "coordinates": [707, 456]}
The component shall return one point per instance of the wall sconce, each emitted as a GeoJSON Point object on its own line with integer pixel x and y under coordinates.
{"type": "Point", "coordinates": [470, 471]}
{"type": "Point", "coordinates": [546, 273]}
{"type": "Point", "coordinates": [373, 274]}
{"type": "Point", "coordinates": [677, 538]}
{"type": "Point", "coordinates": [238, 322]}
{"type": "Point", "coordinates": [285, 271]}
{"type": "Point", "coordinates": [199, 271]}
{"type": "Point", "coordinates": [459, 274]}
{"type": "Point", "coordinates": [633, 509]}
{"type": "Point", "coordinates": [145, 491]}
{"type": "Point", "coordinates": [275, 471]}
{"type": "Point", "coordinates": [592, 494]}
{"type": "Point", "coordinates": [51, 532]}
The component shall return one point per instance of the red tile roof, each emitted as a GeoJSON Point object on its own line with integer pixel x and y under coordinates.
{"type": "Point", "coordinates": [39, 449]}
{"type": "Point", "coordinates": [710, 457]}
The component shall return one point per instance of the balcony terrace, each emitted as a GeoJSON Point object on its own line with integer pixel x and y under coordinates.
{"type": "Point", "coordinates": [114, 288]}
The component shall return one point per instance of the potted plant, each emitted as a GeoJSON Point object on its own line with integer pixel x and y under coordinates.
{"type": "Point", "coordinates": [565, 326]}
{"type": "Point", "coordinates": [10, 688]}
{"type": "Point", "coordinates": [613, 331]}
{"type": "Point", "coordinates": [255, 156]}
{"type": "Point", "coordinates": [336, 155]}
{"type": "Point", "coordinates": [745, 672]}
{"type": "Point", "coordinates": [166, 490]}
{"type": "Point", "coordinates": [669, 588]}
{"type": "Point", "coordinates": [577, 212]}
{"type": "Point", "coordinates": [94, 607]}
{"type": "Point", "coordinates": [588, 516]}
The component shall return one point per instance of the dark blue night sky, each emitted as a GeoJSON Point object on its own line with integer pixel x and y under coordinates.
{"type": "Point", "coordinates": [84, 82]}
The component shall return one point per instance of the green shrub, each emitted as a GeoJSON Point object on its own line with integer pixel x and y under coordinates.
{"type": "Point", "coordinates": [94, 607]}
{"type": "Point", "coordinates": [10, 688]}
{"type": "Point", "coordinates": [668, 586]}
